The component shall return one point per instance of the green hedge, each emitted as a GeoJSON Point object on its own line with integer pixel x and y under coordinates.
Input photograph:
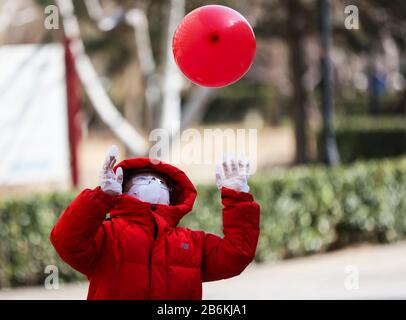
{"type": "Point", "coordinates": [304, 210]}
{"type": "Point", "coordinates": [25, 249]}
{"type": "Point", "coordinates": [368, 138]}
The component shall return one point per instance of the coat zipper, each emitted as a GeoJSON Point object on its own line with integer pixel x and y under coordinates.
{"type": "Point", "coordinates": [150, 271]}
{"type": "Point", "coordinates": [150, 259]}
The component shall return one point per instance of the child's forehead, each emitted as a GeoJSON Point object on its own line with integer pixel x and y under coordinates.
{"type": "Point", "coordinates": [148, 174]}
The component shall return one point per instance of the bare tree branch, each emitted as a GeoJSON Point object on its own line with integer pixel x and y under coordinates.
{"type": "Point", "coordinates": [94, 9]}
{"type": "Point", "coordinates": [172, 81]}
{"type": "Point", "coordinates": [196, 105]}
{"type": "Point", "coordinates": [9, 9]}
{"type": "Point", "coordinates": [15, 13]}
{"type": "Point", "coordinates": [138, 20]}
{"type": "Point", "coordinates": [134, 141]}
{"type": "Point", "coordinates": [162, 94]}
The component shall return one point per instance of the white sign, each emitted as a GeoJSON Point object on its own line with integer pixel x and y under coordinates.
{"type": "Point", "coordinates": [34, 144]}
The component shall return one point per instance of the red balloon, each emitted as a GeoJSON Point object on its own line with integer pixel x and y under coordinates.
{"type": "Point", "coordinates": [214, 46]}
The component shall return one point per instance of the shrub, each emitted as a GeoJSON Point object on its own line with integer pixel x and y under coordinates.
{"type": "Point", "coordinates": [368, 138]}
{"type": "Point", "coordinates": [25, 249]}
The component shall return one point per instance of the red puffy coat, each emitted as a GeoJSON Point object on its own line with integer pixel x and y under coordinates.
{"type": "Point", "coordinates": [140, 253]}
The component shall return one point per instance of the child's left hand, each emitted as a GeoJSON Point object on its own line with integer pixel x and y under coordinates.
{"type": "Point", "coordinates": [233, 175]}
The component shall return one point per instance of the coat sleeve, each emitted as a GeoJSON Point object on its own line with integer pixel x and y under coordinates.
{"type": "Point", "coordinates": [228, 256]}
{"type": "Point", "coordinates": [78, 234]}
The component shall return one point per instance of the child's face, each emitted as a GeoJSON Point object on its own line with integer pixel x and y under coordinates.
{"type": "Point", "coordinates": [148, 187]}
{"type": "Point", "coordinates": [143, 178]}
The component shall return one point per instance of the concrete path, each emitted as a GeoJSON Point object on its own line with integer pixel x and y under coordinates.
{"type": "Point", "coordinates": [365, 272]}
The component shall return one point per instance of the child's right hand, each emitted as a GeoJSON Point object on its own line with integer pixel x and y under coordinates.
{"type": "Point", "coordinates": [110, 182]}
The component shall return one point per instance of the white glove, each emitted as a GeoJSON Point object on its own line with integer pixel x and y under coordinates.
{"type": "Point", "coordinates": [233, 175]}
{"type": "Point", "coordinates": [110, 182]}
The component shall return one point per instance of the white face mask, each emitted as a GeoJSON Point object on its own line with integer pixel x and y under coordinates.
{"type": "Point", "coordinates": [148, 189]}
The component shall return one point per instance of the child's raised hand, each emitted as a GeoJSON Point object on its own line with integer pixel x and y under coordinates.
{"type": "Point", "coordinates": [233, 174]}
{"type": "Point", "coordinates": [110, 182]}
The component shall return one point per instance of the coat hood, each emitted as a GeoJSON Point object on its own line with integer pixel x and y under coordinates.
{"type": "Point", "coordinates": [183, 192]}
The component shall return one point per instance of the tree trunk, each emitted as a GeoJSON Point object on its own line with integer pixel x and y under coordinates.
{"type": "Point", "coordinates": [400, 106]}
{"type": "Point", "coordinates": [331, 155]}
{"type": "Point", "coordinates": [296, 37]}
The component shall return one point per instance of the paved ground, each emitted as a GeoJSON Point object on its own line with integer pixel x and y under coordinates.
{"type": "Point", "coordinates": [370, 272]}
{"type": "Point", "coordinates": [367, 272]}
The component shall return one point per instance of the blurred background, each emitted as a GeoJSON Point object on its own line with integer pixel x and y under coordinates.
{"type": "Point", "coordinates": [326, 94]}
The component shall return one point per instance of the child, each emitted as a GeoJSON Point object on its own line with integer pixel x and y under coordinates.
{"type": "Point", "coordinates": [139, 252]}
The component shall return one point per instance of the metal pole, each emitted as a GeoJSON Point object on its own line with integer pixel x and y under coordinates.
{"type": "Point", "coordinates": [73, 113]}
{"type": "Point", "coordinates": [331, 155]}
